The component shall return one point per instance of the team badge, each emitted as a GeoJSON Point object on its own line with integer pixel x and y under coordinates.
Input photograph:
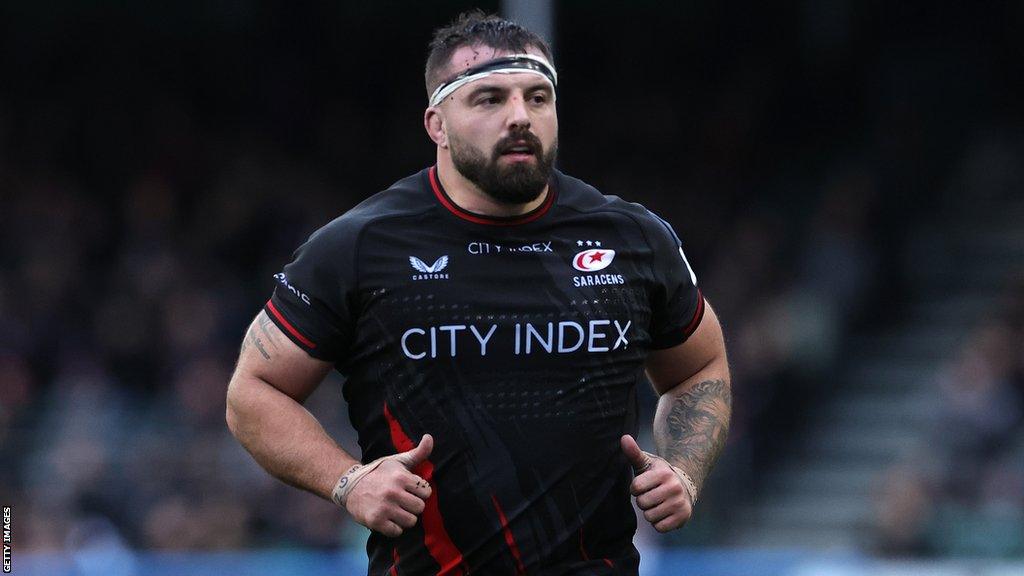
{"type": "Point", "coordinates": [593, 260]}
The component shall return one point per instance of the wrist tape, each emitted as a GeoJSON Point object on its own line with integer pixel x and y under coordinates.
{"type": "Point", "coordinates": [688, 483]}
{"type": "Point", "coordinates": [349, 480]}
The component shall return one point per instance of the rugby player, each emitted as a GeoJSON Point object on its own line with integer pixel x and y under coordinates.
{"type": "Point", "coordinates": [493, 318]}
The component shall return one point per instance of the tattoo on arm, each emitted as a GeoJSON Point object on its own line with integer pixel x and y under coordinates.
{"type": "Point", "coordinates": [260, 336]}
{"type": "Point", "coordinates": [693, 432]}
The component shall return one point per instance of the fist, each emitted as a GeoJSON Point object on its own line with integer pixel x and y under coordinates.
{"type": "Point", "coordinates": [658, 489]}
{"type": "Point", "coordinates": [389, 498]}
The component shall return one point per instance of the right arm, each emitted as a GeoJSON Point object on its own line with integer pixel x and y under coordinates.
{"type": "Point", "coordinates": [265, 413]}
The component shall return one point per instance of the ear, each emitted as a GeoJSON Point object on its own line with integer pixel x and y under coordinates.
{"type": "Point", "coordinates": [433, 123]}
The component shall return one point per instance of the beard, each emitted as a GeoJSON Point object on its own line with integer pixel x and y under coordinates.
{"type": "Point", "coordinates": [514, 183]}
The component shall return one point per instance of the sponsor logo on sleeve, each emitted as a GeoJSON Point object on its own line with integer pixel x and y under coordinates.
{"type": "Point", "coordinates": [283, 280]}
{"type": "Point", "coordinates": [693, 277]}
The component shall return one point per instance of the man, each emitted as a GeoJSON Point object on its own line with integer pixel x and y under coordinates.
{"type": "Point", "coordinates": [493, 318]}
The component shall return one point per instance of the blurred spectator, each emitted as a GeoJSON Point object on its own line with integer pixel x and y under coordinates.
{"type": "Point", "coordinates": [904, 511]}
{"type": "Point", "coordinates": [972, 504]}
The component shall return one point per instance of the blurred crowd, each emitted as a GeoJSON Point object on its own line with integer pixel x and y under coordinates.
{"type": "Point", "coordinates": [121, 325]}
{"type": "Point", "coordinates": [964, 494]}
{"type": "Point", "coordinates": [147, 202]}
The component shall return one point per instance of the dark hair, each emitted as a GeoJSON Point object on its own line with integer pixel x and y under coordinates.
{"type": "Point", "coordinates": [475, 28]}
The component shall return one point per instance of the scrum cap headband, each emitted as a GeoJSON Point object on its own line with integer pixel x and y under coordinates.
{"type": "Point", "coordinates": [515, 64]}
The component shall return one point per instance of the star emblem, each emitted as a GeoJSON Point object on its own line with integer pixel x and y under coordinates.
{"type": "Point", "coordinates": [589, 243]}
{"type": "Point", "coordinates": [579, 242]}
{"type": "Point", "coordinates": [597, 256]}
{"type": "Point", "coordinates": [597, 243]}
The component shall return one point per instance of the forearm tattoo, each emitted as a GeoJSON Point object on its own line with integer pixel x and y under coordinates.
{"type": "Point", "coordinates": [693, 432]}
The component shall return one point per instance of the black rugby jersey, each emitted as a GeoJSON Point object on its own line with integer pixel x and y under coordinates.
{"type": "Point", "coordinates": [518, 343]}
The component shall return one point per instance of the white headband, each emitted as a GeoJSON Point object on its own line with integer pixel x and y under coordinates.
{"type": "Point", "coordinates": [514, 64]}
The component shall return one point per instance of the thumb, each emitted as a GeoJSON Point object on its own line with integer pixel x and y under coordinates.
{"type": "Point", "coordinates": [634, 454]}
{"type": "Point", "coordinates": [417, 455]}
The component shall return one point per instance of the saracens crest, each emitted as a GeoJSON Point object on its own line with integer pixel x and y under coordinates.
{"type": "Point", "coordinates": [593, 260]}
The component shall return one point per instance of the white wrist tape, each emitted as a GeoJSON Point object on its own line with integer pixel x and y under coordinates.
{"type": "Point", "coordinates": [349, 480]}
{"type": "Point", "coordinates": [688, 483]}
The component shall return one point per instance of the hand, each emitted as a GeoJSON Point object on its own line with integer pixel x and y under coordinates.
{"type": "Point", "coordinates": [658, 489]}
{"type": "Point", "coordinates": [389, 498]}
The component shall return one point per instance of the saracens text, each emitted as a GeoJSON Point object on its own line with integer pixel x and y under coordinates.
{"type": "Point", "coordinates": [566, 337]}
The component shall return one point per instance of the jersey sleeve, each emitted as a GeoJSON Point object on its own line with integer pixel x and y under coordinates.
{"type": "Point", "coordinates": [312, 300]}
{"type": "Point", "coordinates": [678, 305]}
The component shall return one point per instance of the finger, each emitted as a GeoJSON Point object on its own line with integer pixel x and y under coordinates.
{"type": "Point", "coordinates": [657, 495]}
{"type": "Point", "coordinates": [403, 518]}
{"type": "Point", "coordinates": [646, 482]}
{"type": "Point", "coordinates": [671, 523]}
{"type": "Point", "coordinates": [419, 454]}
{"type": "Point", "coordinates": [636, 457]}
{"type": "Point", "coordinates": [418, 486]}
{"type": "Point", "coordinates": [389, 529]}
{"type": "Point", "coordinates": [659, 512]}
{"type": "Point", "coordinates": [411, 503]}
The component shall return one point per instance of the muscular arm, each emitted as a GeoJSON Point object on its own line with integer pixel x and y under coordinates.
{"type": "Point", "coordinates": [692, 420]}
{"type": "Point", "coordinates": [265, 413]}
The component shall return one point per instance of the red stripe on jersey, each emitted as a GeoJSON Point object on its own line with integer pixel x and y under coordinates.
{"type": "Point", "coordinates": [288, 326]}
{"type": "Point", "coordinates": [394, 566]}
{"type": "Point", "coordinates": [435, 537]}
{"type": "Point", "coordinates": [583, 551]}
{"type": "Point", "coordinates": [479, 219]}
{"type": "Point", "coordinates": [509, 538]}
{"type": "Point", "coordinates": [697, 315]}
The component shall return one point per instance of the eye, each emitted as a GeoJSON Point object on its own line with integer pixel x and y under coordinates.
{"type": "Point", "coordinates": [488, 100]}
{"type": "Point", "coordinates": [539, 98]}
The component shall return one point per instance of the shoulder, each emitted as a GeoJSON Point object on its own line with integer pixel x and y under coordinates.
{"type": "Point", "coordinates": [581, 197]}
{"type": "Point", "coordinates": [407, 197]}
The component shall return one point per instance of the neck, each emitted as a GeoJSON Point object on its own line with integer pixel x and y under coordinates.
{"type": "Point", "coordinates": [471, 198]}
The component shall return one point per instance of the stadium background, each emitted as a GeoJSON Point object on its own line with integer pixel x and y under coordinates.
{"type": "Point", "coordinates": [846, 177]}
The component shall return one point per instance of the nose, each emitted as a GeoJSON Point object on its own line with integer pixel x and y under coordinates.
{"type": "Point", "coordinates": [518, 116]}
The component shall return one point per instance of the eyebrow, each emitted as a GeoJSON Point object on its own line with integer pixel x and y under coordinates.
{"type": "Point", "coordinates": [484, 88]}
{"type": "Point", "coordinates": [481, 88]}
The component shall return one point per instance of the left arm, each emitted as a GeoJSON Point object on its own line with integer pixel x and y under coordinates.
{"type": "Point", "coordinates": [692, 380]}
{"type": "Point", "coordinates": [690, 426]}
